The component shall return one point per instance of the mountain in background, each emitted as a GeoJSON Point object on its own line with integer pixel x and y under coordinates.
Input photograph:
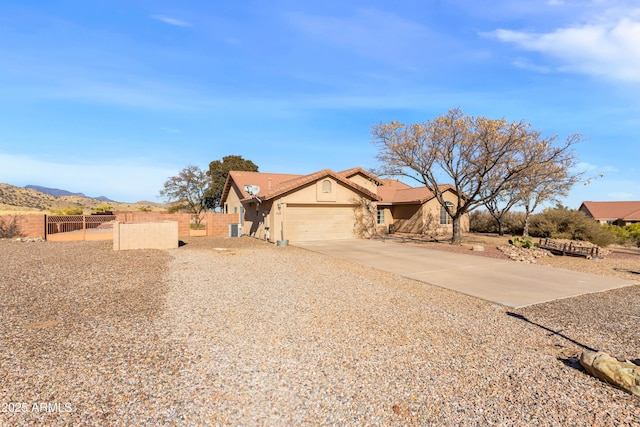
{"type": "Point", "coordinates": [28, 199]}
{"type": "Point", "coordinates": [61, 193]}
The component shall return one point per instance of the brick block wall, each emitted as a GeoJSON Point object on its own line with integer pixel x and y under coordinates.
{"type": "Point", "coordinates": [147, 235]}
{"type": "Point", "coordinates": [217, 223]}
{"type": "Point", "coordinates": [33, 225]}
{"type": "Point", "coordinates": [30, 225]}
{"type": "Point", "coordinates": [182, 219]}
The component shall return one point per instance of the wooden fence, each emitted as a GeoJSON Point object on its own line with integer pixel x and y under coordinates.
{"type": "Point", "coordinates": [563, 248]}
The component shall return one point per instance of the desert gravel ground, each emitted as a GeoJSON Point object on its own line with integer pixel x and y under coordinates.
{"type": "Point", "coordinates": [241, 332]}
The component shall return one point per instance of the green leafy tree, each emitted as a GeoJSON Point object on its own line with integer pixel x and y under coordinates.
{"type": "Point", "coordinates": [218, 173]}
{"type": "Point", "coordinates": [186, 191]}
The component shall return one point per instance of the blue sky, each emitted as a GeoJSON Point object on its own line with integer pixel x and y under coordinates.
{"type": "Point", "coordinates": [113, 97]}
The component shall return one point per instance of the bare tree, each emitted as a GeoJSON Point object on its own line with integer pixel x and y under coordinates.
{"type": "Point", "coordinates": [551, 175]}
{"type": "Point", "coordinates": [550, 179]}
{"type": "Point", "coordinates": [187, 191]}
{"type": "Point", "coordinates": [482, 158]}
{"type": "Point", "coordinates": [499, 206]}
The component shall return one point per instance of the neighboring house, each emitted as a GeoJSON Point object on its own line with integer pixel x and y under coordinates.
{"type": "Point", "coordinates": [618, 213]}
{"type": "Point", "coordinates": [328, 205]}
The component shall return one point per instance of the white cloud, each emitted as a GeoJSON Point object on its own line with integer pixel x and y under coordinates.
{"type": "Point", "coordinates": [171, 21]}
{"type": "Point", "coordinates": [584, 166]}
{"type": "Point", "coordinates": [526, 64]}
{"type": "Point", "coordinates": [620, 195]}
{"type": "Point", "coordinates": [606, 47]}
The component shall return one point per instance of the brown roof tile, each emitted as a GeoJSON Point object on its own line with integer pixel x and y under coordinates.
{"type": "Point", "coordinates": [358, 170]}
{"type": "Point", "coordinates": [625, 210]}
{"type": "Point", "coordinates": [396, 192]}
{"type": "Point", "coordinates": [275, 184]}
{"type": "Point", "coordinates": [265, 181]}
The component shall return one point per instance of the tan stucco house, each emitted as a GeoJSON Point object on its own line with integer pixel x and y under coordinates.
{"type": "Point", "coordinates": [328, 205]}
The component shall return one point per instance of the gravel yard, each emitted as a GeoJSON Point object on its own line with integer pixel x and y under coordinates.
{"type": "Point", "coordinates": [241, 332]}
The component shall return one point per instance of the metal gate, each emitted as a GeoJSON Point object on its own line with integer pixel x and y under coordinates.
{"type": "Point", "coordinates": [65, 228]}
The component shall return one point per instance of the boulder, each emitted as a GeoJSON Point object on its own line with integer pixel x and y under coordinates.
{"type": "Point", "coordinates": [622, 374]}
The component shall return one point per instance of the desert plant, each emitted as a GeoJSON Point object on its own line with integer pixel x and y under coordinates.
{"type": "Point", "coordinates": [9, 227]}
{"type": "Point", "coordinates": [563, 223]}
{"type": "Point", "coordinates": [621, 234]}
{"type": "Point", "coordinates": [103, 208]}
{"type": "Point", "coordinates": [70, 210]}
{"type": "Point", "coordinates": [634, 234]}
{"type": "Point", "coordinates": [521, 242]}
{"type": "Point", "coordinates": [481, 221]}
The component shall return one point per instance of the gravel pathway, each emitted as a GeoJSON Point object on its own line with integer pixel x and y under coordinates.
{"type": "Point", "coordinates": [240, 332]}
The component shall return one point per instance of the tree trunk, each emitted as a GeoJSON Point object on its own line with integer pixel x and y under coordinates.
{"type": "Point", "coordinates": [456, 239]}
{"type": "Point", "coordinates": [500, 227]}
{"type": "Point", "coordinates": [525, 231]}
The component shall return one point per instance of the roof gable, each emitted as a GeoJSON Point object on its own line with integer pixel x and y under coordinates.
{"type": "Point", "coordinates": [265, 181]}
{"type": "Point", "coordinates": [359, 171]}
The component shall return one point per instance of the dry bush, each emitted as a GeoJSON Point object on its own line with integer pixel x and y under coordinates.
{"type": "Point", "coordinates": [9, 227]}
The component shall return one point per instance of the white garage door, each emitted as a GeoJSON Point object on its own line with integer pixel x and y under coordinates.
{"type": "Point", "coordinates": [305, 223]}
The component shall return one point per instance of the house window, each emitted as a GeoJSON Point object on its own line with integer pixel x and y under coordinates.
{"type": "Point", "coordinates": [380, 216]}
{"type": "Point", "coordinates": [326, 186]}
{"type": "Point", "coordinates": [235, 209]}
{"type": "Point", "coordinates": [445, 218]}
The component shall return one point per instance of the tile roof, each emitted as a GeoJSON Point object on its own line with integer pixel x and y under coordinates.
{"type": "Point", "coordinates": [271, 185]}
{"type": "Point", "coordinates": [358, 170]}
{"type": "Point", "coordinates": [265, 181]}
{"type": "Point", "coordinates": [275, 184]}
{"type": "Point", "coordinates": [396, 192]}
{"type": "Point", "coordinates": [628, 210]}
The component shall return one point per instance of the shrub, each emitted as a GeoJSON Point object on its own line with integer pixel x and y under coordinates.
{"type": "Point", "coordinates": [71, 210]}
{"type": "Point", "coordinates": [562, 223]}
{"type": "Point", "coordinates": [9, 227]}
{"type": "Point", "coordinates": [621, 233]}
{"type": "Point", "coordinates": [481, 221]}
{"type": "Point", "coordinates": [634, 233]}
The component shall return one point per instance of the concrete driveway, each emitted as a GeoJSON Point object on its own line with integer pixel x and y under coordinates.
{"type": "Point", "coordinates": [505, 282]}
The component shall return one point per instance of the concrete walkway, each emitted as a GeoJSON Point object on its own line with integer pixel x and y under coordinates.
{"type": "Point", "coordinates": [505, 282]}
